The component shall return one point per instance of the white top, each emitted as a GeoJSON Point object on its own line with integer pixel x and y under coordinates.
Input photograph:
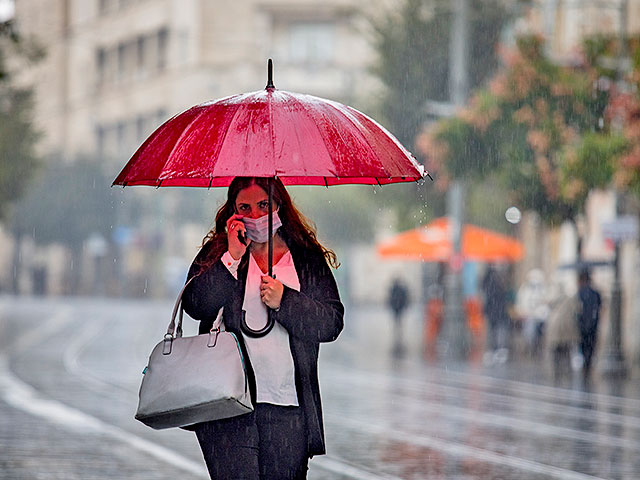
{"type": "Point", "coordinates": [270, 355]}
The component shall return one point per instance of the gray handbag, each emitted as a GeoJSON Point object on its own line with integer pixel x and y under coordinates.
{"type": "Point", "coordinates": [189, 380]}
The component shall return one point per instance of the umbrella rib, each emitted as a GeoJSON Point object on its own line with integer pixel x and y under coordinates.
{"type": "Point", "coordinates": [309, 113]}
{"type": "Point", "coordinates": [348, 115]}
{"type": "Point", "coordinates": [182, 135]}
{"type": "Point", "coordinates": [271, 134]}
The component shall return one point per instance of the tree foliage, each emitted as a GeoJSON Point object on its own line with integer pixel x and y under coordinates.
{"type": "Point", "coordinates": [413, 44]}
{"type": "Point", "coordinates": [66, 203]}
{"type": "Point", "coordinates": [18, 158]}
{"type": "Point", "coordinates": [539, 127]}
{"type": "Point", "coordinates": [413, 52]}
{"type": "Point", "coordinates": [623, 112]}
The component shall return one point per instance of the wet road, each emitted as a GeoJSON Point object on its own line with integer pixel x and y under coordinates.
{"type": "Point", "coordinates": [70, 370]}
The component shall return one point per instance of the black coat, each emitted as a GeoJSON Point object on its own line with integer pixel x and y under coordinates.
{"type": "Point", "coordinates": [311, 316]}
{"type": "Point", "coordinates": [589, 315]}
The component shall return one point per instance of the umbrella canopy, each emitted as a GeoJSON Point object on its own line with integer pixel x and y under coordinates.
{"type": "Point", "coordinates": [301, 139]}
{"type": "Point", "coordinates": [432, 243]}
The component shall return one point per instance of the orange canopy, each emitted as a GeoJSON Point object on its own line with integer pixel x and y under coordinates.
{"type": "Point", "coordinates": [432, 243]}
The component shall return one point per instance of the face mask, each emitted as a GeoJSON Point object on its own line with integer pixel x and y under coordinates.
{"type": "Point", "coordinates": [258, 228]}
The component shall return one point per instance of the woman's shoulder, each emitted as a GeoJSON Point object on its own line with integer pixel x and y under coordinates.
{"type": "Point", "coordinates": [312, 260]}
{"type": "Point", "coordinates": [208, 254]}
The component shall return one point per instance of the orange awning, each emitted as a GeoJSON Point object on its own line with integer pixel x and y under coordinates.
{"type": "Point", "coordinates": [432, 243]}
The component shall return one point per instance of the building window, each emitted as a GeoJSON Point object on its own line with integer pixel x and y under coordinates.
{"type": "Point", "coordinates": [121, 62]}
{"type": "Point", "coordinates": [116, 140]}
{"type": "Point", "coordinates": [101, 65]}
{"type": "Point", "coordinates": [163, 40]}
{"type": "Point", "coordinates": [105, 6]}
{"type": "Point", "coordinates": [132, 58]}
{"type": "Point", "coordinates": [311, 42]}
{"type": "Point", "coordinates": [140, 53]}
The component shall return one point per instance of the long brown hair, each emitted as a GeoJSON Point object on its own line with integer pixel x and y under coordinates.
{"type": "Point", "coordinates": [296, 229]}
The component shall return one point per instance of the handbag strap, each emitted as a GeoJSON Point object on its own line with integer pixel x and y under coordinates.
{"type": "Point", "coordinates": [178, 306]}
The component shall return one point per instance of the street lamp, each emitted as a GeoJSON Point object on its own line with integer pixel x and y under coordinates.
{"type": "Point", "coordinates": [612, 362]}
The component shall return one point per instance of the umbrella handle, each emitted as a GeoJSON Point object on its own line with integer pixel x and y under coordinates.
{"type": "Point", "coordinates": [250, 332]}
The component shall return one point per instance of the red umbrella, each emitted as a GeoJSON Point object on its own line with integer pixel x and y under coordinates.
{"type": "Point", "coordinates": [300, 139]}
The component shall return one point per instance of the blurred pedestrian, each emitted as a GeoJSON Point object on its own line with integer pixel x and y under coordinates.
{"type": "Point", "coordinates": [398, 301]}
{"type": "Point", "coordinates": [495, 310]}
{"type": "Point", "coordinates": [285, 429]}
{"type": "Point", "coordinates": [588, 318]}
{"type": "Point", "coordinates": [532, 308]}
{"type": "Point", "coordinates": [562, 333]}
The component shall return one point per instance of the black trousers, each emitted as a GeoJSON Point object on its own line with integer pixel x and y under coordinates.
{"type": "Point", "coordinates": [587, 347]}
{"type": "Point", "coordinates": [269, 443]}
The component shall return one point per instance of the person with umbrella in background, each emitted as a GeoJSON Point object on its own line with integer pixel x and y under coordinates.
{"type": "Point", "coordinates": [588, 318]}
{"type": "Point", "coordinates": [276, 440]}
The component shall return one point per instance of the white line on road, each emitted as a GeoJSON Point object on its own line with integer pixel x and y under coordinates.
{"type": "Point", "coordinates": [331, 464]}
{"type": "Point", "coordinates": [459, 450]}
{"type": "Point", "coordinates": [427, 387]}
{"type": "Point", "coordinates": [22, 396]}
{"type": "Point", "coordinates": [345, 379]}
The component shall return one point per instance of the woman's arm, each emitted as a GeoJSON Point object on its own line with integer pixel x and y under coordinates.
{"type": "Point", "coordinates": [209, 291]}
{"type": "Point", "coordinates": [317, 314]}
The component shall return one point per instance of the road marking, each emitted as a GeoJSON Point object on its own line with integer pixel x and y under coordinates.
{"type": "Point", "coordinates": [476, 416]}
{"type": "Point", "coordinates": [457, 449]}
{"type": "Point", "coordinates": [429, 387]}
{"type": "Point", "coordinates": [76, 347]}
{"type": "Point", "coordinates": [340, 467]}
{"type": "Point", "coordinates": [23, 396]}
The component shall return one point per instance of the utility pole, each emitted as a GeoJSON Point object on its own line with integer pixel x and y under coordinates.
{"type": "Point", "coordinates": [613, 361]}
{"type": "Point", "coordinates": [455, 331]}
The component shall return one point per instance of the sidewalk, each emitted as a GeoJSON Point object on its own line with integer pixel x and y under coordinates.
{"type": "Point", "coordinates": [33, 448]}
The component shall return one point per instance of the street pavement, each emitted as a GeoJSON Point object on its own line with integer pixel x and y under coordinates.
{"type": "Point", "coordinates": [70, 370]}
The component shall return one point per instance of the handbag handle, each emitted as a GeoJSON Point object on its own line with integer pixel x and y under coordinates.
{"type": "Point", "coordinates": [178, 305]}
{"type": "Point", "coordinates": [169, 336]}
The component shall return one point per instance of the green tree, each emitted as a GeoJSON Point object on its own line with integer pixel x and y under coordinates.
{"type": "Point", "coordinates": [412, 44]}
{"type": "Point", "coordinates": [65, 204]}
{"type": "Point", "coordinates": [522, 129]}
{"type": "Point", "coordinates": [18, 159]}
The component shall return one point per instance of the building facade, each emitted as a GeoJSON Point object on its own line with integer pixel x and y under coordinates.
{"type": "Point", "coordinates": [116, 69]}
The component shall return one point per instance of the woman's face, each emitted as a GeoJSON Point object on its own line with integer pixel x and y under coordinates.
{"type": "Point", "coordinates": [252, 202]}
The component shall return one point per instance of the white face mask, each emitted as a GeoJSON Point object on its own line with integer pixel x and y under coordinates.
{"type": "Point", "coordinates": [258, 228]}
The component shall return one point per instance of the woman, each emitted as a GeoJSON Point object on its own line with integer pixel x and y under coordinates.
{"type": "Point", "coordinates": [276, 440]}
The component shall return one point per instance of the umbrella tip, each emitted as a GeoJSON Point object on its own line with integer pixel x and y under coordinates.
{"type": "Point", "coordinates": [270, 74]}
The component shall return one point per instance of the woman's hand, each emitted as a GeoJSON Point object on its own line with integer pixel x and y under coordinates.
{"type": "Point", "coordinates": [271, 291]}
{"type": "Point", "coordinates": [235, 227]}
